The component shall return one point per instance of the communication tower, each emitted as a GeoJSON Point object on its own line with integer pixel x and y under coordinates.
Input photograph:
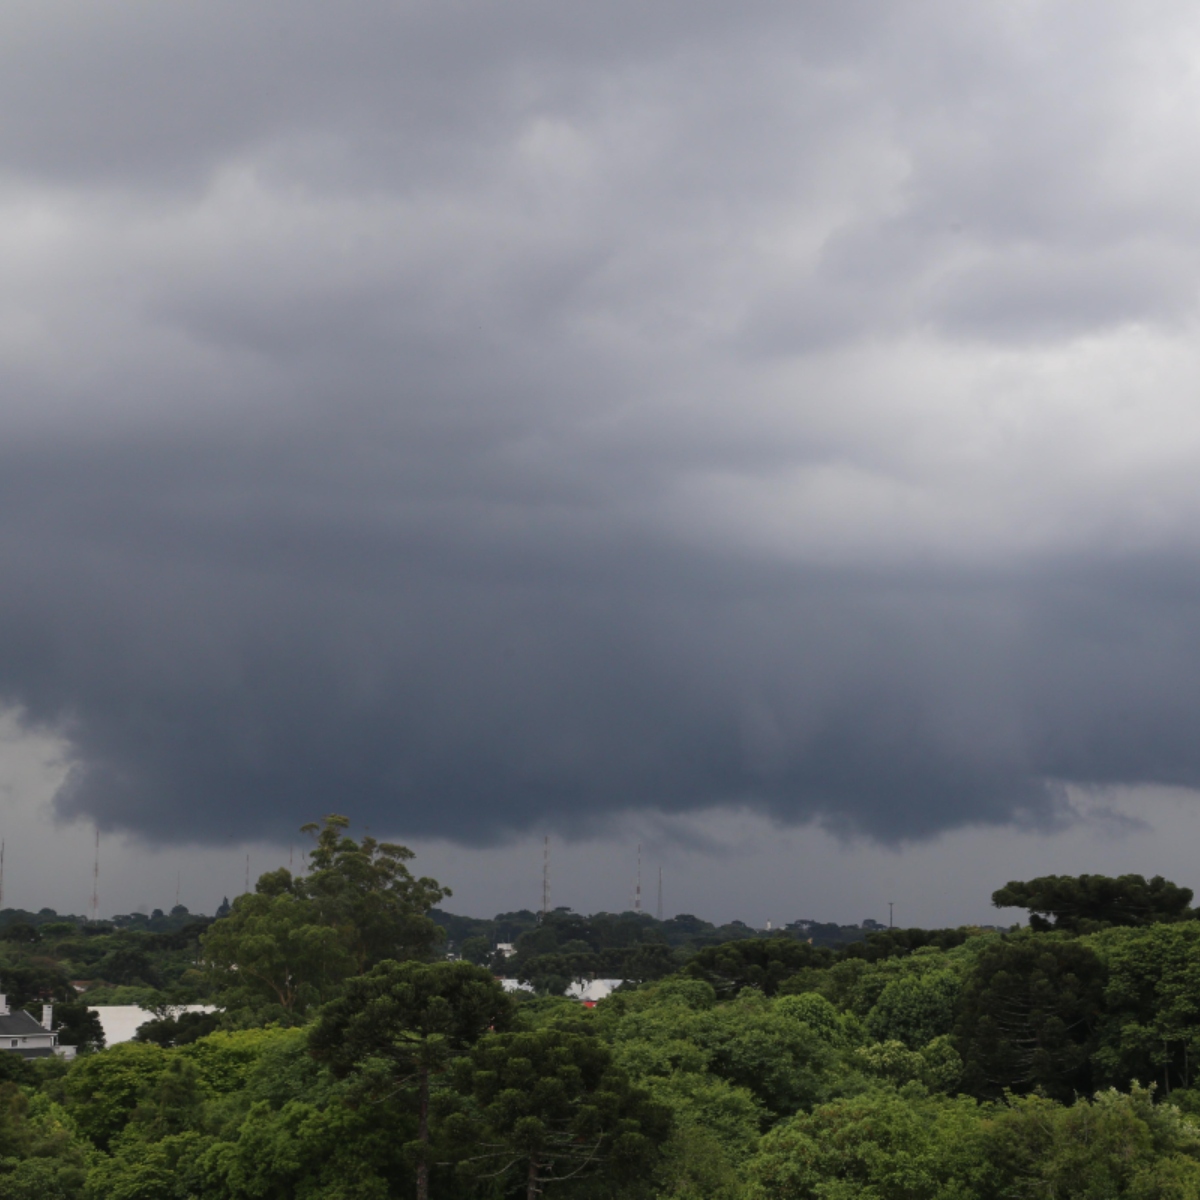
{"type": "Point", "coordinates": [96, 880]}
{"type": "Point", "coordinates": [545, 878]}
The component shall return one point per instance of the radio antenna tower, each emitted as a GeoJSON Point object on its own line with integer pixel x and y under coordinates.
{"type": "Point", "coordinates": [1, 872]}
{"type": "Point", "coordinates": [658, 912]}
{"type": "Point", "coordinates": [96, 880]}
{"type": "Point", "coordinates": [178, 881]}
{"type": "Point", "coordinates": [545, 878]}
{"type": "Point", "coordinates": [247, 872]}
{"type": "Point", "coordinates": [637, 891]}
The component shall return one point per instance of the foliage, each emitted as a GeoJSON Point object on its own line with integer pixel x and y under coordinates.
{"type": "Point", "coordinates": [915, 1009]}
{"type": "Point", "coordinates": [1151, 1027]}
{"type": "Point", "coordinates": [178, 1030]}
{"type": "Point", "coordinates": [400, 1024]}
{"type": "Point", "coordinates": [102, 1090]}
{"type": "Point", "coordinates": [275, 958]}
{"type": "Point", "coordinates": [1029, 1017]}
{"type": "Point", "coordinates": [550, 1106]}
{"type": "Point", "coordinates": [365, 889]}
{"type": "Point", "coordinates": [762, 963]}
{"type": "Point", "coordinates": [1083, 903]}
{"type": "Point", "coordinates": [904, 1145]}
{"type": "Point", "coordinates": [291, 945]}
{"type": "Point", "coordinates": [908, 1065]}
{"type": "Point", "coordinates": [882, 1145]}
{"type": "Point", "coordinates": [78, 1026]}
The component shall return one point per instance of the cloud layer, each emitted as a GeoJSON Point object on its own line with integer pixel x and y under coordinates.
{"type": "Point", "coordinates": [481, 417]}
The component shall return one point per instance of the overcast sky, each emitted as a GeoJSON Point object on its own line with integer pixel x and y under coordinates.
{"type": "Point", "coordinates": [772, 426]}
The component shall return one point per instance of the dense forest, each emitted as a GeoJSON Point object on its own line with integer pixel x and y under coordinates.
{"type": "Point", "coordinates": [364, 1048]}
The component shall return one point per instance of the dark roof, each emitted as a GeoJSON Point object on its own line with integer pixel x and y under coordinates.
{"type": "Point", "coordinates": [19, 1024]}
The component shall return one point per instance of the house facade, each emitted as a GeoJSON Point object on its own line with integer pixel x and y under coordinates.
{"type": "Point", "coordinates": [22, 1034]}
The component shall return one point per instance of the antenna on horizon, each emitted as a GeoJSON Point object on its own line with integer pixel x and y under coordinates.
{"type": "Point", "coordinates": [545, 878]}
{"type": "Point", "coordinates": [178, 881]}
{"type": "Point", "coordinates": [247, 872]}
{"type": "Point", "coordinates": [1, 872]}
{"type": "Point", "coordinates": [637, 891]}
{"type": "Point", "coordinates": [659, 910]}
{"type": "Point", "coordinates": [890, 914]}
{"type": "Point", "coordinates": [96, 879]}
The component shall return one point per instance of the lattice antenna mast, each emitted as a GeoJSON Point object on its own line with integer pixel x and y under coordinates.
{"type": "Point", "coordinates": [637, 891]}
{"type": "Point", "coordinates": [96, 880]}
{"type": "Point", "coordinates": [1, 872]}
{"type": "Point", "coordinates": [545, 877]}
{"type": "Point", "coordinates": [658, 912]}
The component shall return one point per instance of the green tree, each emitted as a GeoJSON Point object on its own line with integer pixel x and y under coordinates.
{"type": "Point", "coordinates": [78, 1026]}
{"type": "Point", "coordinates": [1151, 1026]}
{"type": "Point", "coordinates": [1114, 1145]}
{"type": "Point", "coordinates": [762, 963]}
{"type": "Point", "coordinates": [366, 889]}
{"type": "Point", "coordinates": [1029, 1015]}
{"type": "Point", "coordinates": [292, 944]}
{"type": "Point", "coordinates": [784, 1063]}
{"type": "Point", "coordinates": [400, 1024]}
{"type": "Point", "coordinates": [882, 1145]}
{"type": "Point", "coordinates": [1084, 903]}
{"type": "Point", "coordinates": [102, 1090]}
{"type": "Point", "coordinates": [914, 1009]}
{"type": "Point", "coordinates": [274, 958]}
{"type": "Point", "coordinates": [550, 1106]}
{"type": "Point", "coordinates": [178, 1030]}
{"type": "Point", "coordinates": [42, 1156]}
{"type": "Point", "coordinates": [477, 950]}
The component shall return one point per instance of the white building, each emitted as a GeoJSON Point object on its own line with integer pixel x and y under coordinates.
{"type": "Point", "coordinates": [591, 990]}
{"type": "Point", "coordinates": [121, 1021]}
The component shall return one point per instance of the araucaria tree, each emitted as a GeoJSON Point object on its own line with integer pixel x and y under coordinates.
{"type": "Point", "coordinates": [398, 1026]}
{"type": "Point", "coordinates": [550, 1106]}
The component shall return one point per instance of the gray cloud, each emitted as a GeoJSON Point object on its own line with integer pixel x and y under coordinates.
{"type": "Point", "coordinates": [482, 418]}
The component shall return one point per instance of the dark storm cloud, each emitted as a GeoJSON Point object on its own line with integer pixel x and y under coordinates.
{"type": "Point", "coordinates": [475, 417]}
